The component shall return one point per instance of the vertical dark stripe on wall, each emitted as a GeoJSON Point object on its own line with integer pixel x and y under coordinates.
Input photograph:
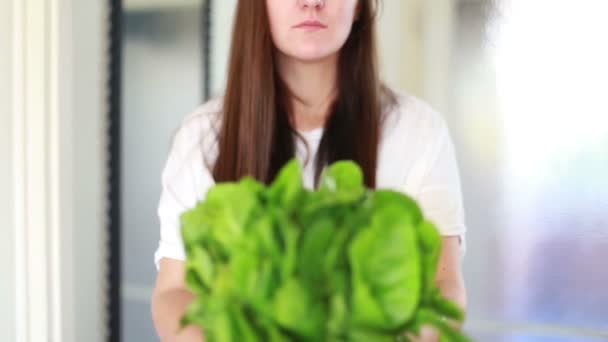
{"type": "Point", "coordinates": [206, 46]}
{"type": "Point", "coordinates": [113, 248]}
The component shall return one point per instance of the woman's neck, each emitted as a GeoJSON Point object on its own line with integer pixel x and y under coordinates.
{"type": "Point", "coordinates": [313, 87]}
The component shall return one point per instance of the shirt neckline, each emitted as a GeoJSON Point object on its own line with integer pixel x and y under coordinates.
{"type": "Point", "coordinates": [313, 134]}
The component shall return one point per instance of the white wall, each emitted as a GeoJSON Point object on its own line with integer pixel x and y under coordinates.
{"type": "Point", "coordinates": [397, 43]}
{"type": "Point", "coordinates": [7, 261]}
{"type": "Point", "coordinates": [415, 40]}
{"type": "Point", "coordinates": [57, 58]}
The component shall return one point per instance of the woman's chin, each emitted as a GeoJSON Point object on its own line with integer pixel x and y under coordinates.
{"type": "Point", "coordinates": [313, 56]}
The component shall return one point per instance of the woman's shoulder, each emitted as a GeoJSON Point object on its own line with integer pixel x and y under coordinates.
{"type": "Point", "coordinates": [198, 130]}
{"type": "Point", "coordinates": [413, 134]}
{"type": "Point", "coordinates": [408, 116]}
{"type": "Point", "coordinates": [206, 114]}
{"type": "Point", "coordinates": [203, 120]}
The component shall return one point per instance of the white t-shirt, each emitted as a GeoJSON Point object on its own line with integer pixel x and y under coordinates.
{"type": "Point", "coordinates": [416, 156]}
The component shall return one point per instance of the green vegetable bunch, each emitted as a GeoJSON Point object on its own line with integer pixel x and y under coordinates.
{"type": "Point", "coordinates": [343, 263]}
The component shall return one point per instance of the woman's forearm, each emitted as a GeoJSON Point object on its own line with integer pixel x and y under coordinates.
{"type": "Point", "coordinates": [167, 309]}
{"type": "Point", "coordinates": [454, 290]}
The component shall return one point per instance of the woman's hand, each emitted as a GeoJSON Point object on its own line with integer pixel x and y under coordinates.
{"type": "Point", "coordinates": [427, 334]}
{"type": "Point", "coordinates": [169, 303]}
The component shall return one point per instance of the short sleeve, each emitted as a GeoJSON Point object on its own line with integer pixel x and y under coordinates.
{"type": "Point", "coordinates": [440, 195]}
{"type": "Point", "coordinates": [185, 180]}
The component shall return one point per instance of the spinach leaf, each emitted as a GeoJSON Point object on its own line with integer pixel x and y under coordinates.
{"type": "Point", "coordinates": [342, 263]}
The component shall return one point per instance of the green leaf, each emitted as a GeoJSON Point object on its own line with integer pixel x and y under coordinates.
{"type": "Point", "coordinates": [230, 208]}
{"type": "Point", "coordinates": [343, 263]}
{"type": "Point", "coordinates": [244, 274]}
{"type": "Point", "coordinates": [263, 234]}
{"type": "Point", "coordinates": [342, 176]}
{"type": "Point", "coordinates": [447, 308]}
{"type": "Point", "coordinates": [367, 335]}
{"type": "Point", "coordinates": [242, 326]}
{"type": "Point", "coordinates": [194, 228]}
{"type": "Point", "coordinates": [386, 257]}
{"type": "Point", "coordinates": [366, 310]}
{"type": "Point", "coordinates": [338, 315]}
{"type": "Point", "coordinates": [199, 270]}
{"type": "Point", "coordinates": [223, 330]}
{"type": "Point", "coordinates": [250, 184]}
{"type": "Point", "coordinates": [430, 245]}
{"type": "Point", "coordinates": [315, 241]}
{"type": "Point", "coordinates": [221, 218]}
{"type": "Point", "coordinates": [296, 311]}
{"type": "Point", "coordinates": [195, 314]}
{"type": "Point", "coordinates": [344, 180]}
{"type": "Point", "coordinates": [286, 190]}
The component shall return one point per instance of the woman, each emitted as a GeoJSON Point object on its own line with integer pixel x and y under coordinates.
{"type": "Point", "coordinates": [303, 82]}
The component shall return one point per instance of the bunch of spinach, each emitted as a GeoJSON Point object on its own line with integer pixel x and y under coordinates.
{"type": "Point", "coordinates": [343, 263]}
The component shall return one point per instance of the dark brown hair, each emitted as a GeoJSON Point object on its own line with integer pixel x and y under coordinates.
{"type": "Point", "coordinates": [256, 135]}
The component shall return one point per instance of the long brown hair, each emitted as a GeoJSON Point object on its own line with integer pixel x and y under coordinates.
{"type": "Point", "coordinates": [256, 136]}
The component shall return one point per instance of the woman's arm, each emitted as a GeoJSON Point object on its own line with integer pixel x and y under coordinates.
{"type": "Point", "coordinates": [449, 280]}
{"type": "Point", "coordinates": [449, 277]}
{"type": "Point", "coordinates": [169, 303]}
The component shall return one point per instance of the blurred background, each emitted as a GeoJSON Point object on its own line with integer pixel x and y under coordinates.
{"type": "Point", "coordinates": [521, 83]}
